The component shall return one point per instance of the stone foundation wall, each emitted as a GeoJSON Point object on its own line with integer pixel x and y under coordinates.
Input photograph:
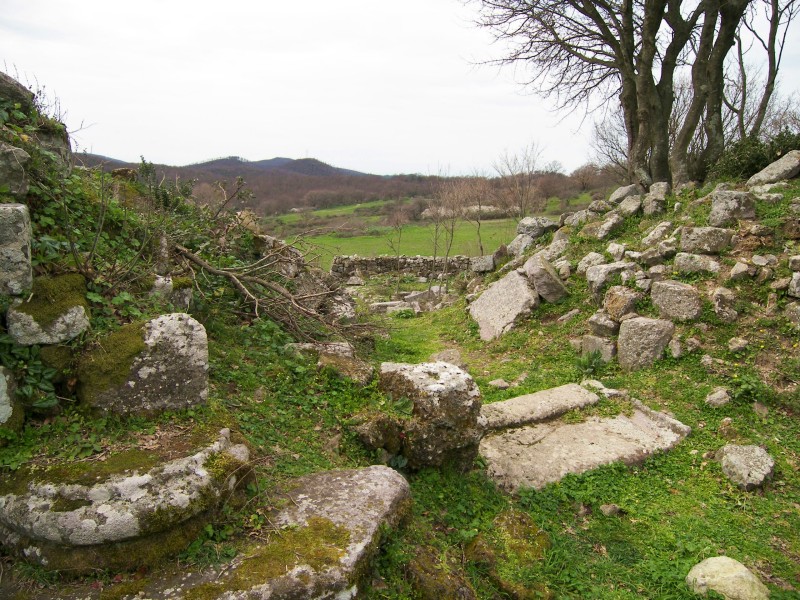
{"type": "Point", "coordinates": [424, 266]}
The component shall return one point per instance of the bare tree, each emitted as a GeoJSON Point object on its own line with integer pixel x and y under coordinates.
{"type": "Point", "coordinates": [517, 173]}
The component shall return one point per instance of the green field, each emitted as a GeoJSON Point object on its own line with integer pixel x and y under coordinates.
{"type": "Point", "coordinates": [415, 239]}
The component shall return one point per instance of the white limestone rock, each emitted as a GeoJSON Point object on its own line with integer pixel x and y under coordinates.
{"type": "Point", "coordinates": [728, 577]}
{"type": "Point", "coordinates": [502, 304]}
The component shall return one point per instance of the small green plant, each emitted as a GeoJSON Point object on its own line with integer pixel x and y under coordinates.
{"type": "Point", "coordinates": [405, 313]}
{"type": "Point", "coordinates": [35, 390]}
{"type": "Point", "coordinates": [748, 388]}
{"type": "Point", "coordinates": [590, 364]}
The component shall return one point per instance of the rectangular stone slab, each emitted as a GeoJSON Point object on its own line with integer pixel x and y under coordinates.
{"type": "Point", "coordinates": [536, 407]}
{"type": "Point", "coordinates": [536, 455]}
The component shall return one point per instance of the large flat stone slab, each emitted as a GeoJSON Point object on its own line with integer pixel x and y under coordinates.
{"type": "Point", "coordinates": [536, 407]}
{"type": "Point", "coordinates": [503, 304]}
{"type": "Point", "coordinates": [536, 455]}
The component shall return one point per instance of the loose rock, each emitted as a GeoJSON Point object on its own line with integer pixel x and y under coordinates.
{"type": "Point", "coordinates": [642, 341]}
{"type": "Point", "coordinates": [16, 274]}
{"type": "Point", "coordinates": [746, 466]}
{"type": "Point", "coordinates": [728, 577]}
{"type": "Point", "coordinates": [503, 304]}
{"type": "Point", "coordinates": [675, 300]}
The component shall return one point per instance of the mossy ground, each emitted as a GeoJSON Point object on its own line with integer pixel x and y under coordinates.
{"type": "Point", "coordinates": [108, 366]}
{"type": "Point", "coordinates": [53, 296]}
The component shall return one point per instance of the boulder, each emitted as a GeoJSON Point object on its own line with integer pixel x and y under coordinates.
{"type": "Point", "coordinates": [675, 300]}
{"type": "Point", "coordinates": [600, 206]}
{"type": "Point", "coordinates": [580, 217]}
{"type": "Point", "coordinates": [16, 274]}
{"type": "Point", "coordinates": [624, 192]}
{"type": "Point", "coordinates": [642, 341]}
{"type": "Point", "coordinates": [606, 348]}
{"type": "Point", "coordinates": [630, 206]}
{"type": "Point", "coordinates": [747, 466]}
{"type": "Point", "coordinates": [728, 577]}
{"type": "Point", "coordinates": [727, 207]}
{"type": "Point", "coordinates": [444, 427]}
{"type": "Point", "coordinates": [519, 244]}
{"type": "Point", "coordinates": [652, 205]}
{"type": "Point", "coordinates": [620, 301]}
{"type": "Point", "coordinates": [786, 167]}
{"type": "Point", "coordinates": [705, 240]}
{"type": "Point", "coordinates": [124, 519]}
{"type": "Point", "coordinates": [601, 324]}
{"type": "Point", "coordinates": [146, 368]}
{"type": "Point", "coordinates": [794, 286]}
{"type": "Point", "coordinates": [740, 271]}
{"type": "Point", "coordinates": [503, 304]}
{"type": "Point", "coordinates": [659, 190]}
{"type": "Point", "coordinates": [598, 276]}
{"type": "Point", "coordinates": [794, 263]}
{"type": "Point", "coordinates": [723, 301]}
{"type": "Point", "coordinates": [590, 260]}
{"type": "Point", "coordinates": [482, 264]}
{"type": "Point", "coordinates": [556, 248]}
{"type": "Point", "coordinates": [719, 397]}
{"type": "Point", "coordinates": [545, 279]}
{"type": "Point", "coordinates": [657, 233]}
{"type": "Point", "coordinates": [616, 250]}
{"type": "Point", "coordinates": [535, 227]}
{"type": "Point", "coordinates": [11, 412]}
{"type": "Point", "coordinates": [602, 230]}
{"type": "Point", "coordinates": [695, 263]}
{"type": "Point", "coordinates": [13, 170]}
{"type": "Point", "coordinates": [57, 311]}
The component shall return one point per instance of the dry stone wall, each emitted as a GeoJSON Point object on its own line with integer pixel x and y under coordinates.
{"type": "Point", "coordinates": [422, 266]}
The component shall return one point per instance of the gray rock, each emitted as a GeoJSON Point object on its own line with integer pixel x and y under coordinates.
{"type": "Point", "coordinates": [119, 508]}
{"type": "Point", "coordinates": [723, 301]}
{"type": "Point", "coordinates": [705, 240]}
{"type": "Point", "coordinates": [620, 301]}
{"type": "Point", "coordinates": [624, 192]}
{"type": "Point", "coordinates": [740, 271]}
{"type": "Point", "coordinates": [600, 206]}
{"type": "Point", "coordinates": [630, 206]}
{"type": "Point", "coordinates": [382, 308]}
{"type": "Point", "coordinates": [727, 207]}
{"type": "Point", "coordinates": [606, 348]}
{"type": "Point", "coordinates": [16, 274]}
{"type": "Point", "coordinates": [500, 384]}
{"type": "Point", "coordinates": [503, 304]}
{"type": "Point", "coordinates": [728, 577]}
{"type": "Point", "coordinates": [568, 316]}
{"type": "Point", "coordinates": [542, 453]}
{"type": "Point", "coordinates": [746, 466]}
{"type": "Point", "coordinates": [11, 411]}
{"type": "Point", "coordinates": [556, 248]}
{"type": "Point", "coordinates": [482, 264]}
{"type": "Point", "coordinates": [13, 170]}
{"type": "Point", "coordinates": [610, 510]}
{"type": "Point", "coordinates": [603, 325]}
{"type": "Point", "coordinates": [580, 217]}
{"type": "Point", "coordinates": [444, 427]}
{"type": "Point", "coordinates": [642, 341]}
{"type": "Point", "coordinates": [327, 534]}
{"type": "Point", "coordinates": [26, 331]}
{"type": "Point", "coordinates": [355, 280]}
{"type": "Point", "coordinates": [598, 276]}
{"type": "Point", "coordinates": [147, 368]}
{"type": "Point", "coordinates": [519, 244]}
{"type": "Point", "coordinates": [785, 167]}
{"type": "Point", "coordinates": [737, 344]}
{"type": "Point", "coordinates": [658, 233]}
{"type": "Point", "coordinates": [794, 286]}
{"type": "Point", "coordinates": [794, 263]}
{"type": "Point", "coordinates": [590, 260]}
{"type": "Point", "coordinates": [660, 190]}
{"type": "Point", "coordinates": [792, 312]}
{"type": "Point", "coordinates": [612, 223]}
{"type": "Point", "coordinates": [676, 301]}
{"type": "Point", "coordinates": [719, 397]}
{"type": "Point", "coordinates": [535, 227]}
{"type": "Point", "coordinates": [537, 407]}
{"type": "Point", "coordinates": [545, 279]}
{"type": "Point", "coordinates": [652, 206]}
{"type": "Point", "coordinates": [617, 251]}
{"type": "Point", "coordinates": [696, 263]}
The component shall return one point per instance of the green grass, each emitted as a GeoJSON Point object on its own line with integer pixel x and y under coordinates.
{"type": "Point", "coordinates": [336, 211]}
{"type": "Point", "coordinates": [415, 239]}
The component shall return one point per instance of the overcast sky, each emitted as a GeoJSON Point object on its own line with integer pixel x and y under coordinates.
{"type": "Point", "coordinates": [373, 85]}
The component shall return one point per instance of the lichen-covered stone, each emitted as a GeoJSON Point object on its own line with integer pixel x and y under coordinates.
{"type": "Point", "coordinates": [642, 341]}
{"type": "Point", "coordinates": [482, 264]}
{"type": "Point", "coordinates": [598, 276]}
{"type": "Point", "coordinates": [603, 325]}
{"type": "Point", "coordinates": [503, 304]}
{"type": "Point", "coordinates": [727, 207]}
{"type": "Point", "coordinates": [147, 368]}
{"type": "Point", "coordinates": [16, 273]}
{"type": "Point", "coordinates": [728, 577]}
{"type": "Point", "coordinates": [545, 279]}
{"type": "Point", "coordinates": [624, 192]}
{"type": "Point", "coordinates": [50, 515]}
{"type": "Point", "coordinates": [696, 263]}
{"type": "Point", "coordinates": [786, 167]}
{"type": "Point", "coordinates": [606, 348]}
{"type": "Point", "coordinates": [592, 259]}
{"type": "Point", "coordinates": [676, 300]}
{"type": "Point", "coordinates": [620, 301]}
{"type": "Point", "coordinates": [13, 170]}
{"type": "Point", "coordinates": [705, 240]}
{"type": "Point", "coordinates": [433, 577]}
{"type": "Point", "coordinates": [657, 233]}
{"type": "Point", "coordinates": [723, 302]}
{"type": "Point", "coordinates": [519, 244]}
{"type": "Point", "coordinates": [746, 466]}
{"type": "Point", "coordinates": [56, 312]}
{"type": "Point", "coordinates": [445, 425]}
{"type": "Point", "coordinates": [535, 227]}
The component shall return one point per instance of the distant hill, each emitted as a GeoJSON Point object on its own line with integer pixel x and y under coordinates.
{"type": "Point", "coordinates": [280, 184]}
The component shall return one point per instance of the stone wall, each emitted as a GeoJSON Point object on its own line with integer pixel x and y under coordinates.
{"type": "Point", "coordinates": [424, 266]}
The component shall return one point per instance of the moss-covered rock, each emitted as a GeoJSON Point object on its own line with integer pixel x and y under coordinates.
{"type": "Point", "coordinates": [147, 368]}
{"type": "Point", "coordinates": [56, 312]}
{"type": "Point", "coordinates": [436, 577]}
{"type": "Point", "coordinates": [123, 513]}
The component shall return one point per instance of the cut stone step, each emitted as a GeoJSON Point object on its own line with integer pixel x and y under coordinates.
{"type": "Point", "coordinates": [536, 407]}
{"type": "Point", "coordinates": [536, 455]}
